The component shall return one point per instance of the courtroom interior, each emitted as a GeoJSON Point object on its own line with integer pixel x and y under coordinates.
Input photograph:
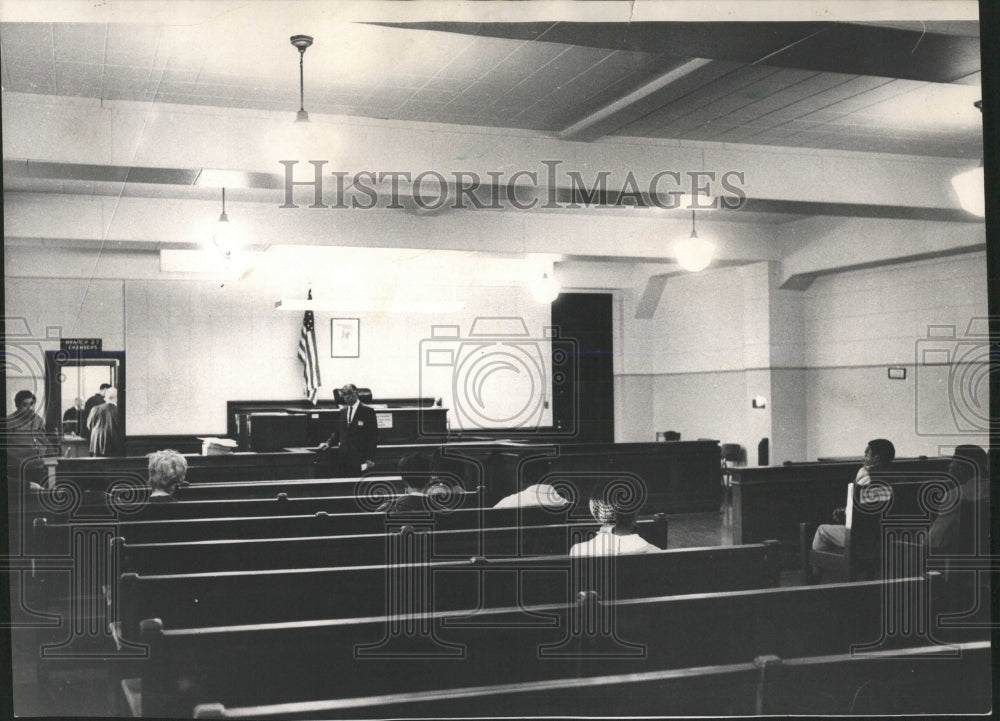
{"type": "Point", "coordinates": [433, 305]}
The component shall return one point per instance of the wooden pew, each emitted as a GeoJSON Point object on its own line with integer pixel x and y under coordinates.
{"type": "Point", "coordinates": [885, 535]}
{"type": "Point", "coordinates": [675, 477]}
{"type": "Point", "coordinates": [925, 680]}
{"type": "Point", "coordinates": [202, 599]}
{"type": "Point", "coordinates": [293, 488]}
{"type": "Point", "coordinates": [97, 473]}
{"type": "Point", "coordinates": [356, 550]}
{"type": "Point", "coordinates": [325, 524]}
{"type": "Point", "coordinates": [770, 502]}
{"type": "Point", "coordinates": [135, 506]}
{"type": "Point", "coordinates": [307, 661]}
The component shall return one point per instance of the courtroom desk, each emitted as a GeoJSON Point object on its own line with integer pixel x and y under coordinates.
{"type": "Point", "coordinates": [770, 501]}
{"type": "Point", "coordinates": [96, 474]}
{"type": "Point", "coordinates": [281, 428]}
{"type": "Point", "coordinates": [74, 446]}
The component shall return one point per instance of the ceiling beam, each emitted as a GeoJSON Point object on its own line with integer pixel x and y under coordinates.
{"type": "Point", "coordinates": [818, 46]}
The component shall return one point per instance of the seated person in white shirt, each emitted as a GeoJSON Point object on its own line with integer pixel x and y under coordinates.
{"type": "Point", "coordinates": [610, 506]}
{"type": "Point", "coordinates": [878, 454]}
{"type": "Point", "coordinates": [534, 495]}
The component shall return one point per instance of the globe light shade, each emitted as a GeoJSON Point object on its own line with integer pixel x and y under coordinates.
{"type": "Point", "coordinates": [969, 188]}
{"type": "Point", "coordinates": [545, 289]}
{"type": "Point", "coordinates": [694, 253]}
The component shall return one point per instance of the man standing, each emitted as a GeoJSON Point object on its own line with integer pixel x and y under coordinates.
{"type": "Point", "coordinates": [357, 433]}
{"type": "Point", "coordinates": [74, 418]}
{"type": "Point", "coordinates": [95, 400]}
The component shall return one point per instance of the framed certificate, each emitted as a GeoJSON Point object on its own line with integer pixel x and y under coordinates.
{"type": "Point", "coordinates": [345, 338]}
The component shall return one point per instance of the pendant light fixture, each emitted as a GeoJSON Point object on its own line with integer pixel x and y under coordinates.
{"type": "Point", "coordinates": [301, 42]}
{"type": "Point", "coordinates": [545, 289]}
{"type": "Point", "coordinates": [694, 253]}
{"type": "Point", "coordinates": [223, 233]}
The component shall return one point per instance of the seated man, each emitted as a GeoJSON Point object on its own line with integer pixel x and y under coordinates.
{"type": "Point", "coordinates": [26, 443]}
{"type": "Point", "coordinates": [415, 468]}
{"type": "Point", "coordinates": [618, 534]}
{"type": "Point", "coordinates": [966, 520]}
{"type": "Point", "coordinates": [534, 495]}
{"type": "Point", "coordinates": [166, 471]}
{"type": "Point", "coordinates": [878, 454]}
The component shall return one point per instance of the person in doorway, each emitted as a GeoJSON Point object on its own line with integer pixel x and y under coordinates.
{"type": "Point", "coordinates": [95, 400]}
{"type": "Point", "coordinates": [104, 423]}
{"type": "Point", "coordinates": [74, 418]}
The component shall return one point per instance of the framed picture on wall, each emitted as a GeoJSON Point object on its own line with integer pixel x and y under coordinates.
{"type": "Point", "coordinates": [345, 338]}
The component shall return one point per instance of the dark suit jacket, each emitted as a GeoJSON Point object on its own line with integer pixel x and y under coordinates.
{"type": "Point", "coordinates": [359, 440]}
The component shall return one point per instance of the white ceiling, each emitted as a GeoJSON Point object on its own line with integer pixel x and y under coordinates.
{"type": "Point", "coordinates": [903, 88]}
{"type": "Point", "coordinates": [458, 77]}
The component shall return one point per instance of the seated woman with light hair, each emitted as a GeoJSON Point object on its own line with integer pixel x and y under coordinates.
{"type": "Point", "coordinates": [166, 471]}
{"type": "Point", "coordinates": [612, 504]}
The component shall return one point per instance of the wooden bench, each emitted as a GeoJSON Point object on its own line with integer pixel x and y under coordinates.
{"type": "Point", "coordinates": [164, 530]}
{"type": "Point", "coordinates": [326, 524]}
{"type": "Point", "coordinates": [925, 680]}
{"type": "Point", "coordinates": [675, 477]}
{"type": "Point", "coordinates": [358, 550]}
{"type": "Point", "coordinates": [771, 502]}
{"type": "Point", "coordinates": [887, 522]}
{"type": "Point", "coordinates": [202, 599]}
{"type": "Point", "coordinates": [293, 488]}
{"type": "Point", "coordinates": [97, 473]}
{"type": "Point", "coordinates": [308, 661]}
{"type": "Point", "coordinates": [135, 506]}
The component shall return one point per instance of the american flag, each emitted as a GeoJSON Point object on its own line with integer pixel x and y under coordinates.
{"type": "Point", "coordinates": [308, 355]}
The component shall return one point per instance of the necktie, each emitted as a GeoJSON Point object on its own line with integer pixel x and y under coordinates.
{"type": "Point", "coordinates": [350, 414]}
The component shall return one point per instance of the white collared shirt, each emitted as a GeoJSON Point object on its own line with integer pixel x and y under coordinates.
{"type": "Point", "coordinates": [607, 543]}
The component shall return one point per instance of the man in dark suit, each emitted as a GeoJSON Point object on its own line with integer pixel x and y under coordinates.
{"type": "Point", "coordinates": [357, 434]}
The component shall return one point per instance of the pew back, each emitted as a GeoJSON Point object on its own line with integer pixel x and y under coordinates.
{"type": "Point", "coordinates": [187, 600]}
{"type": "Point", "coordinates": [121, 506]}
{"type": "Point", "coordinates": [276, 663]}
{"type": "Point", "coordinates": [360, 550]}
{"type": "Point", "coordinates": [771, 502]}
{"type": "Point", "coordinates": [925, 680]}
